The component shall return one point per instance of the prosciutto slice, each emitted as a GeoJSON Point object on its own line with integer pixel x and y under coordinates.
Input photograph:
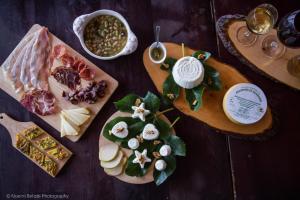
{"type": "Point", "coordinates": [39, 101]}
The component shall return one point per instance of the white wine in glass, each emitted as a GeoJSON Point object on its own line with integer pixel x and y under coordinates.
{"type": "Point", "coordinates": [259, 21]}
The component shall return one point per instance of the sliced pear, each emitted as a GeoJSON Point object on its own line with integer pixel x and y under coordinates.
{"type": "Point", "coordinates": [108, 152]}
{"type": "Point", "coordinates": [113, 163]}
{"type": "Point", "coordinates": [75, 117]}
{"type": "Point", "coordinates": [118, 169]}
{"type": "Point", "coordinates": [68, 128]}
{"type": "Point", "coordinates": [81, 111]}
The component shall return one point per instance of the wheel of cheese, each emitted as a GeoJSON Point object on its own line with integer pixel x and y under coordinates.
{"type": "Point", "coordinates": [188, 72]}
{"type": "Point", "coordinates": [245, 103]}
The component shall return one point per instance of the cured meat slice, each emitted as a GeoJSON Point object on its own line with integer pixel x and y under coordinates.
{"type": "Point", "coordinates": [61, 53]}
{"type": "Point", "coordinates": [40, 61]}
{"type": "Point", "coordinates": [66, 76]}
{"type": "Point", "coordinates": [39, 101]}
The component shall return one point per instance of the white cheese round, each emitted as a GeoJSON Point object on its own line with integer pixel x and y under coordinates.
{"type": "Point", "coordinates": [160, 165]}
{"type": "Point", "coordinates": [245, 103]}
{"type": "Point", "coordinates": [133, 143]}
{"type": "Point", "coordinates": [165, 150]}
{"type": "Point", "coordinates": [188, 72]}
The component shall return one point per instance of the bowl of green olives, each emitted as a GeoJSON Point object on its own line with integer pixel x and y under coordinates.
{"type": "Point", "coordinates": [105, 34]}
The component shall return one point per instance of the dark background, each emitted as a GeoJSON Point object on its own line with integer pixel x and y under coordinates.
{"type": "Point", "coordinates": [216, 166]}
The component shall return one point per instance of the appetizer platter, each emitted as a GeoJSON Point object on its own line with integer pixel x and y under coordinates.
{"type": "Point", "coordinates": [253, 55]}
{"type": "Point", "coordinates": [37, 145]}
{"type": "Point", "coordinates": [55, 82]}
{"type": "Point", "coordinates": [138, 143]}
{"type": "Point", "coordinates": [196, 84]}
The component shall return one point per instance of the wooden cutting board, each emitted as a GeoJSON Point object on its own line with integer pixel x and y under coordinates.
{"type": "Point", "coordinates": [15, 127]}
{"type": "Point", "coordinates": [273, 68]}
{"type": "Point", "coordinates": [123, 177]}
{"type": "Point", "coordinates": [211, 112]}
{"type": "Point", "coordinates": [57, 88]}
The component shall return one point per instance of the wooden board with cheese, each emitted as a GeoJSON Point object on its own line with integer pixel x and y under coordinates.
{"type": "Point", "coordinates": [211, 112]}
{"type": "Point", "coordinates": [57, 88]}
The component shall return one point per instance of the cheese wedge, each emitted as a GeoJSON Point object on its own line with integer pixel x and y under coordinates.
{"type": "Point", "coordinates": [81, 111]}
{"type": "Point", "coordinates": [108, 152]}
{"type": "Point", "coordinates": [113, 163]}
{"type": "Point", "coordinates": [118, 170]}
{"type": "Point", "coordinates": [68, 128]}
{"type": "Point", "coordinates": [77, 118]}
{"type": "Point", "coordinates": [62, 131]}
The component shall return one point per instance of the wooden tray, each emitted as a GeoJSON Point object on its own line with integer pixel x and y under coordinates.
{"type": "Point", "coordinates": [123, 177]}
{"type": "Point", "coordinates": [275, 69]}
{"type": "Point", "coordinates": [57, 88]}
{"type": "Point", "coordinates": [14, 127]}
{"type": "Point", "coordinates": [211, 112]}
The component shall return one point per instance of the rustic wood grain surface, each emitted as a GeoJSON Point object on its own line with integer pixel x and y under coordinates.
{"type": "Point", "coordinates": [216, 166]}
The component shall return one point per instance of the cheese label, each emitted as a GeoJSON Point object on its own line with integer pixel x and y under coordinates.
{"type": "Point", "coordinates": [245, 103]}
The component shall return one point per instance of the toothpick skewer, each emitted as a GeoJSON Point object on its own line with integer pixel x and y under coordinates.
{"type": "Point", "coordinates": [182, 49]}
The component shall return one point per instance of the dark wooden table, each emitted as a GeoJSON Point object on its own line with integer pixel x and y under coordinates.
{"type": "Point", "coordinates": [216, 166]}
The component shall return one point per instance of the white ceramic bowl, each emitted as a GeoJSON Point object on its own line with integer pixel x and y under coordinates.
{"type": "Point", "coordinates": [81, 21]}
{"type": "Point", "coordinates": [162, 46]}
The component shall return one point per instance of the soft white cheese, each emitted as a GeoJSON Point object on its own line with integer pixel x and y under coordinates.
{"type": "Point", "coordinates": [165, 150]}
{"type": "Point", "coordinates": [188, 72]}
{"type": "Point", "coordinates": [160, 165]}
{"type": "Point", "coordinates": [141, 158]}
{"type": "Point", "coordinates": [133, 143]}
{"type": "Point", "coordinates": [120, 129]}
{"type": "Point", "coordinates": [140, 112]}
{"type": "Point", "coordinates": [150, 132]}
{"type": "Point", "coordinates": [245, 103]}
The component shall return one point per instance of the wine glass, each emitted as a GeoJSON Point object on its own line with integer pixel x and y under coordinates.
{"type": "Point", "coordinates": [288, 34]}
{"type": "Point", "coordinates": [259, 21]}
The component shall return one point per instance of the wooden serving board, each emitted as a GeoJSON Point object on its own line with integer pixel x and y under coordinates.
{"type": "Point", "coordinates": [57, 88]}
{"type": "Point", "coordinates": [14, 127]}
{"type": "Point", "coordinates": [123, 177]}
{"type": "Point", "coordinates": [274, 68]}
{"type": "Point", "coordinates": [211, 112]}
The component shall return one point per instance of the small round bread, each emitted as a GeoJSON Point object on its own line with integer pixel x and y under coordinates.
{"type": "Point", "coordinates": [118, 169]}
{"type": "Point", "coordinates": [108, 152]}
{"type": "Point", "coordinates": [188, 72]}
{"type": "Point", "coordinates": [113, 163]}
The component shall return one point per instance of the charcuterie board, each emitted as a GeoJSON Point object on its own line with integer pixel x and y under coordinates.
{"type": "Point", "coordinates": [57, 88]}
{"type": "Point", "coordinates": [123, 177]}
{"type": "Point", "coordinates": [211, 112]}
{"type": "Point", "coordinates": [19, 130]}
{"type": "Point", "coordinates": [253, 56]}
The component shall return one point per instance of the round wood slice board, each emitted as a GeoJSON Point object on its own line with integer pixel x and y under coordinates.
{"type": "Point", "coordinates": [211, 113]}
{"type": "Point", "coordinates": [123, 177]}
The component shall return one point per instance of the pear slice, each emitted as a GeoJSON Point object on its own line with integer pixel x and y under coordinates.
{"type": "Point", "coordinates": [68, 128]}
{"type": "Point", "coordinates": [113, 163]}
{"type": "Point", "coordinates": [81, 111]}
{"type": "Point", "coordinates": [118, 170]}
{"type": "Point", "coordinates": [108, 152]}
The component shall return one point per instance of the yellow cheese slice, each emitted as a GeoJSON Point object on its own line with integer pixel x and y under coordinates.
{"type": "Point", "coordinates": [62, 131]}
{"type": "Point", "coordinates": [81, 111]}
{"type": "Point", "coordinates": [108, 152]}
{"type": "Point", "coordinates": [77, 118]}
{"type": "Point", "coordinates": [113, 163]}
{"type": "Point", "coordinates": [68, 128]}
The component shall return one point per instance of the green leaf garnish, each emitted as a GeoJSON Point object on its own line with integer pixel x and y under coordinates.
{"type": "Point", "coordinates": [163, 128]}
{"type": "Point", "coordinates": [161, 176]}
{"type": "Point", "coordinates": [126, 103]}
{"type": "Point", "coordinates": [201, 55]}
{"type": "Point", "coordinates": [194, 97]}
{"type": "Point", "coordinates": [177, 145]}
{"type": "Point", "coordinates": [152, 102]}
{"type": "Point", "coordinates": [168, 64]}
{"type": "Point", "coordinates": [211, 78]}
{"type": "Point", "coordinates": [170, 88]}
